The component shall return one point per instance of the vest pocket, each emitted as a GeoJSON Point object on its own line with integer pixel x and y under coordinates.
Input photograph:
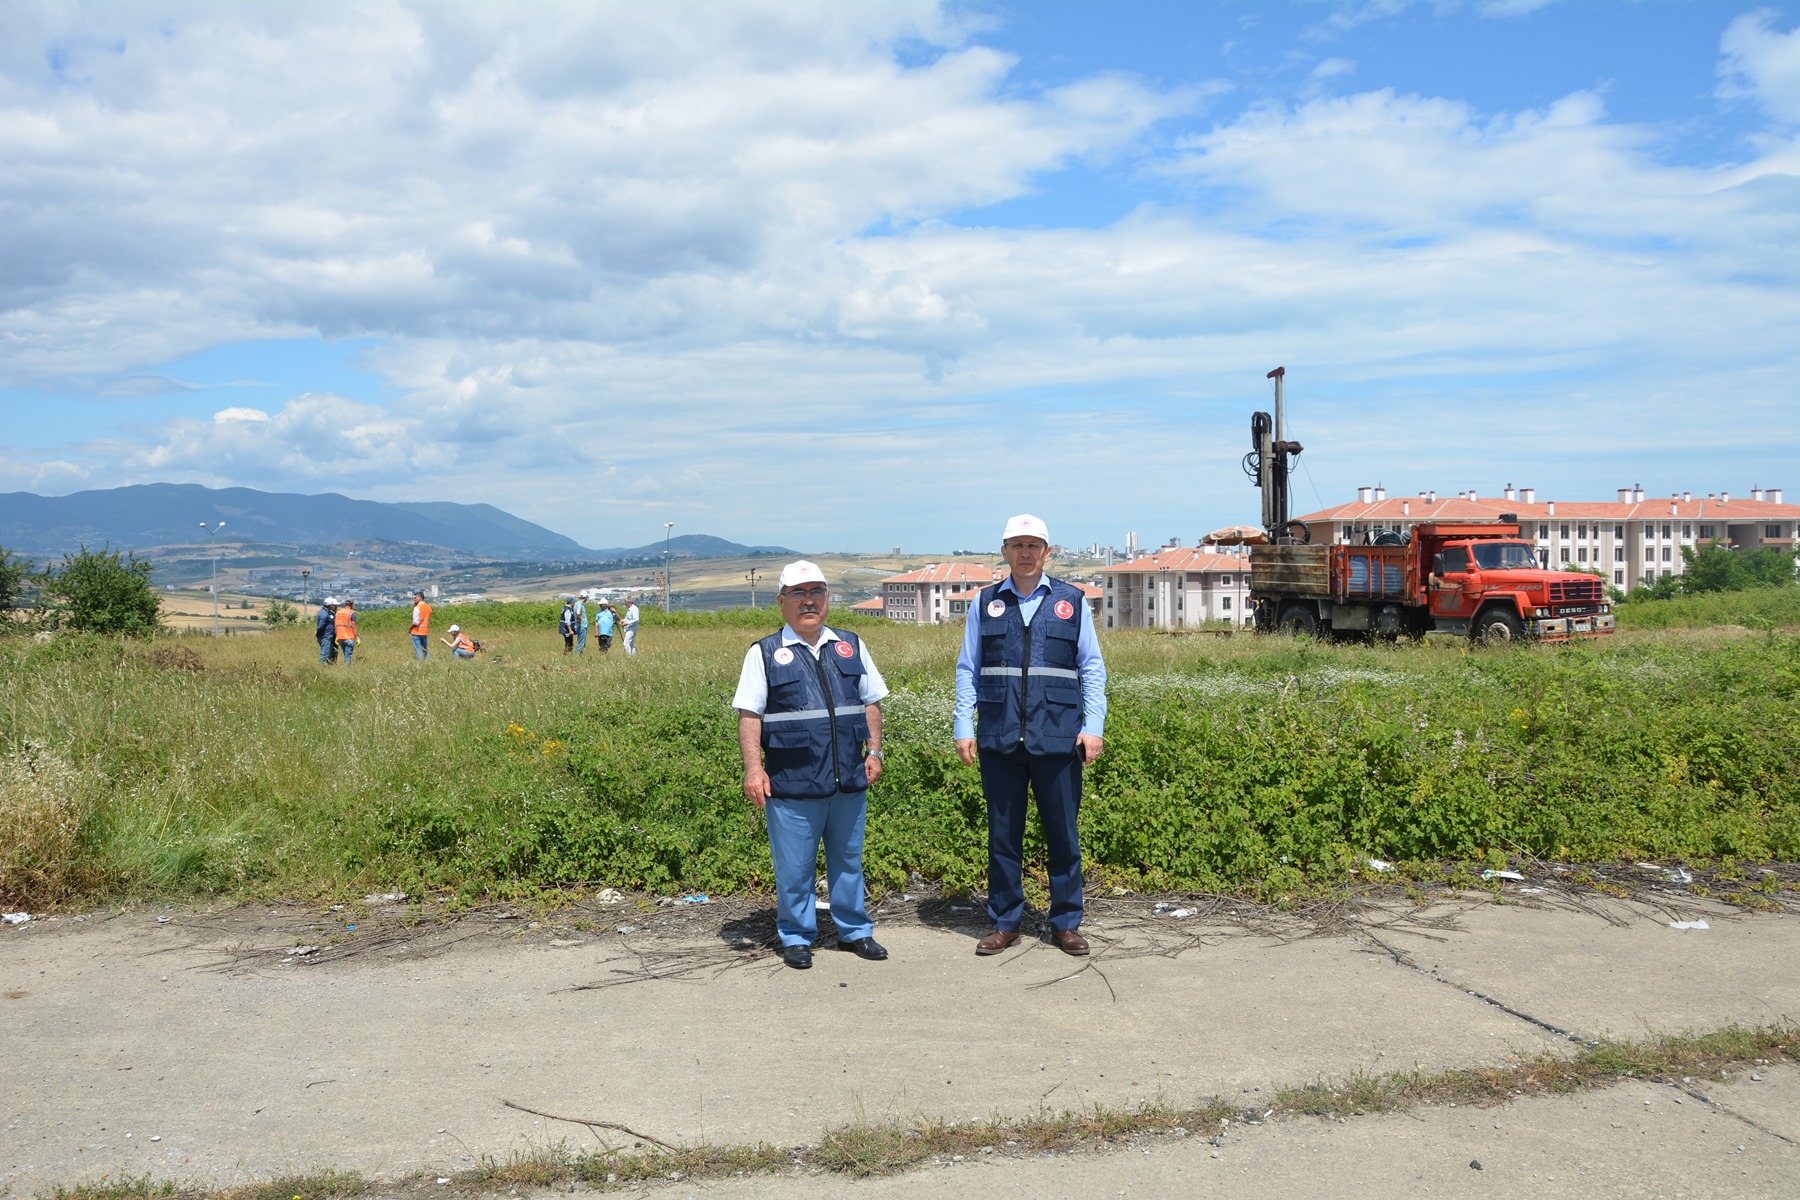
{"type": "Point", "coordinates": [788, 735]}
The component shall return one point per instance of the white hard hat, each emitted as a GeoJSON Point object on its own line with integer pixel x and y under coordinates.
{"type": "Point", "coordinates": [456, 629]}
{"type": "Point", "coordinates": [331, 601]}
{"type": "Point", "coordinates": [1026, 525]}
{"type": "Point", "coordinates": [796, 573]}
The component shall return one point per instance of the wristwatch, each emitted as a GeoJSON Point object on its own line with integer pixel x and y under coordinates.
{"type": "Point", "coordinates": [876, 755]}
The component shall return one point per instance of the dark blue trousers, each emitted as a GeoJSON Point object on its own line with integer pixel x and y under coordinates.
{"type": "Point", "coordinates": [1055, 779]}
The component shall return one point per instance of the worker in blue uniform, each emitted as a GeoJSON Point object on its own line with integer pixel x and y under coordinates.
{"type": "Point", "coordinates": [809, 727]}
{"type": "Point", "coordinates": [1031, 705]}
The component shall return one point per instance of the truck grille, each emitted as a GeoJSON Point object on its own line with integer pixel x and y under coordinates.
{"type": "Point", "coordinates": [1578, 589]}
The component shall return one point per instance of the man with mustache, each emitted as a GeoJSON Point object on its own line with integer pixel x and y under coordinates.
{"type": "Point", "coordinates": [809, 726]}
{"type": "Point", "coordinates": [1031, 701]}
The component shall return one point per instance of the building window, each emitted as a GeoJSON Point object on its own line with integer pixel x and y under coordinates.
{"type": "Point", "coordinates": [1649, 530]}
{"type": "Point", "coordinates": [1543, 533]}
{"type": "Point", "coordinates": [1109, 601]}
{"type": "Point", "coordinates": [1109, 620]}
{"type": "Point", "coordinates": [1649, 553]}
{"type": "Point", "coordinates": [1687, 531]}
{"type": "Point", "coordinates": [1666, 556]}
{"type": "Point", "coordinates": [1581, 554]}
{"type": "Point", "coordinates": [1224, 581]}
{"type": "Point", "coordinates": [1771, 531]}
{"type": "Point", "coordinates": [1619, 577]}
{"type": "Point", "coordinates": [1619, 532]}
{"type": "Point", "coordinates": [1581, 532]}
{"type": "Point", "coordinates": [1563, 531]}
{"type": "Point", "coordinates": [1565, 554]}
{"type": "Point", "coordinates": [1706, 531]}
{"type": "Point", "coordinates": [1618, 554]}
{"type": "Point", "coordinates": [1668, 531]}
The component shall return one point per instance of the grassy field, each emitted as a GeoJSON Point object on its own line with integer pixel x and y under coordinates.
{"type": "Point", "coordinates": [191, 767]}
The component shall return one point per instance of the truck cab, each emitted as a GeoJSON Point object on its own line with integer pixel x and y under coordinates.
{"type": "Point", "coordinates": [1490, 586]}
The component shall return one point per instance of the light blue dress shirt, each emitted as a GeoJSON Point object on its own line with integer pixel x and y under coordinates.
{"type": "Point", "coordinates": [1088, 663]}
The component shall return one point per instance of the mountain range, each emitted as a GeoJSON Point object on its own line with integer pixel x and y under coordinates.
{"type": "Point", "coordinates": [148, 515]}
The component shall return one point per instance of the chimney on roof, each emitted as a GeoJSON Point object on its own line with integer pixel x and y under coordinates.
{"type": "Point", "coordinates": [1549, 508]}
{"type": "Point", "coordinates": [1380, 493]}
{"type": "Point", "coordinates": [1625, 495]}
{"type": "Point", "coordinates": [1724, 497]}
{"type": "Point", "coordinates": [1686, 496]}
{"type": "Point", "coordinates": [1673, 507]}
{"type": "Point", "coordinates": [1637, 494]}
{"type": "Point", "coordinates": [1528, 495]}
{"type": "Point", "coordinates": [1756, 493]}
{"type": "Point", "coordinates": [1471, 493]}
{"type": "Point", "coordinates": [1363, 495]}
{"type": "Point", "coordinates": [1406, 508]}
{"type": "Point", "coordinates": [1432, 495]}
{"type": "Point", "coordinates": [1774, 495]}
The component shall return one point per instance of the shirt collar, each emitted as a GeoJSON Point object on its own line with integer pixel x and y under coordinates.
{"type": "Point", "coordinates": [789, 637]}
{"type": "Point", "coordinates": [1043, 586]}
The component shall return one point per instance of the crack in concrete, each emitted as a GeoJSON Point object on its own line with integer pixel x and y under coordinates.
{"type": "Point", "coordinates": [1403, 959]}
{"type": "Point", "coordinates": [1703, 1098]}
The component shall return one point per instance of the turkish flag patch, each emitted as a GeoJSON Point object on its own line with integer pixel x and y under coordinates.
{"type": "Point", "coordinates": [1064, 609]}
{"type": "Point", "coordinates": [845, 649]}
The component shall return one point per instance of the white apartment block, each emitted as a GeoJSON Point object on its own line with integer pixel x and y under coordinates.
{"type": "Point", "coordinates": [1632, 541]}
{"type": "Point", "coordinates": [1174, 588]}
{"type": "Point", "coordinates": [922, 597]}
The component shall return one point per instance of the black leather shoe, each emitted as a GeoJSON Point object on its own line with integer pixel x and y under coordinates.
{"type": "Point", "coordinates": [867, 948]}
{"type": "Point", "coordinates": [798, 957]}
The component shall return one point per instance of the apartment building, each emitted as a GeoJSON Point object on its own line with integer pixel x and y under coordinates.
{"type": "Point", "coordinates": [1631, 541]}
{"type": "Point", "coordinates": [1172, 588]}
{"type": "Point", "coordinates": [922, 597]}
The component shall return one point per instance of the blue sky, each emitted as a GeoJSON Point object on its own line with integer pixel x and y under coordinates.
{"type": "Point", "coordinates": [607, 266]}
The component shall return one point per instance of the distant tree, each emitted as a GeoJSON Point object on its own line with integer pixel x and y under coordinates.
{"type": "Point", "coordinates": [15, 572]}
{"type": "Point", "coordinates": [279, 613]}
{"type": "Point", "coordinates": [102, 592]}
{"type": "Point", "coordinates": [1716, 568]}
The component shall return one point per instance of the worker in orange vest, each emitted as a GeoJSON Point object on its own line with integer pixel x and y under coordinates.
{"type": "Point", "coordinates": [421, 626]}
{"type": "Point", "coordinates": [346, 630]}
{"type": "Point", "coordinates": [463, 647]}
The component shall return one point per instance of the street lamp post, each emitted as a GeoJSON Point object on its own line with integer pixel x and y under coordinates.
{"type": "Point", "coordinates": [668, 560]}
{"type": "Point", "coordinates": [212, 535]}
{"type": "Point", "coordinates": [305, 586]}
{"type": "Point", "coordinates": [752, 578]}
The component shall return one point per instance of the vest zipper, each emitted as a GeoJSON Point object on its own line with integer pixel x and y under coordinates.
{"type": "Point", "coordinates": [1025, 674]}
{"type": "Point", "coordinates": [837, 773]}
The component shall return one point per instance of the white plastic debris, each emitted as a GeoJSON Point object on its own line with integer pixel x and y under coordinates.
{"type": "Point", "coordinates": [1493, 874]}
{"type": "Point", "coordinates": [1531, 891]}
{"type": "Point", "coordinates": [303, 951]}
{"type": "Point", "coordinates": [1689, 925]}
{"type": "Point", "coordinates": [15, 918]}
{"type": "Point", "coordinates": [164, 920]}
{"type": "Point", "coordinates": [609, 896]}
{"type": "Point", "coordinates": [385, 898]}
{"type": "Point", "coordinates": [1378, 865]}
{"type": "Point", "coordinates": [1170, 910]}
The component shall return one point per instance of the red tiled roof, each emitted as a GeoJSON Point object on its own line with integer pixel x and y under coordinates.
{"type": "Point", "coordinates": [1184, 559]}
{"type": "Point", "coordinates": [964, 573]}
{"type": "Point", "coordinates": [869, 606]}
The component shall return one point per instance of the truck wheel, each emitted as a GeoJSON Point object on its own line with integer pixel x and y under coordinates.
{"type": "Point", "coordinates": [1498, 625]}
{"type": "Point", "coordinates": [1298, 620]}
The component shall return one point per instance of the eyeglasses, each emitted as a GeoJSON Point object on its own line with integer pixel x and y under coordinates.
{"type": "Point", "coordinates": [811, 593]}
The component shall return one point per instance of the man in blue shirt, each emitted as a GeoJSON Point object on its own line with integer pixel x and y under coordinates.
{"type": "Point", "coordinates": [809, 728]}
{"type": "Point", "coordinates": [1031, 704]}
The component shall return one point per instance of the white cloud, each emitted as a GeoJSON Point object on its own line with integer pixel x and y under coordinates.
{"type": "Point", "coordinates": [1760, 63]}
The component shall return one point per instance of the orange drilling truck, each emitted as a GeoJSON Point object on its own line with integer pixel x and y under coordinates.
{"type": "Point", "coordinates": [1475, 578]}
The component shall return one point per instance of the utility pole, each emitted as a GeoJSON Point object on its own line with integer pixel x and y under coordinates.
{"type": "Point", "coordinates": [668, 561]}
{"type": "Point", "coordinates": [212, 534]}
{"type": "Point", "coordinates": [752, 578]}
{"type": "Point", "coordinates": [305, 584]}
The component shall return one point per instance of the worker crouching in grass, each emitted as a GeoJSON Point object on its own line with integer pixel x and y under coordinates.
{"type": "Point", "coordinates": [809, 726]}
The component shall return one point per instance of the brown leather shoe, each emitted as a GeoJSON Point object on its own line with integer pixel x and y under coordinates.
{"type": "Point", "coordinates": [997, 941]}
{"type": "Point", "coordinates": [1069, 941]}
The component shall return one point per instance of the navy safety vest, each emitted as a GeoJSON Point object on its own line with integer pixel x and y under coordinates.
{"type": "Point", "coordinates": [1029, 690]}
{"type": "Point", "coordinates": [815, 723]}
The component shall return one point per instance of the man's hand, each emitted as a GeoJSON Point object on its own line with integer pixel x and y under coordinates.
{"type": "Point", "coordinates": [1091, 746]}
{"type": "Point", "coordinates": [965, 750]}
{"type": "Point", "coordinates": [872, 765]}
{"type": "Point", "coordinates": [756, 786]}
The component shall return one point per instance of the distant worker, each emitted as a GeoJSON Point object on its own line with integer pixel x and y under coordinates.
{"type": "Point", "coordinates": [581, 625]}
{"type": "Point", "coordinates": [809, 728]}
{"type": "Point", "coordinates": [421, 626]}
{"type": "Point", "coordinates": [1031, 700]}
{"type": "Point", "coordinates": [325, 630]}
{"type": "Point", "coordinates": [604, 620]}
{"type": "Point", "coordinates": [462, 646]}
{"type": "Point", "coordinates": [565, 624]}
{"type": "Point", "coordinates": [631, 624]}
{"type": "Point", "coordinates": [347, 640]}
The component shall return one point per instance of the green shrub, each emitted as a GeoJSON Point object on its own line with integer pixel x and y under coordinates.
{"type": "Point", "coordinates": [102, 592]}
